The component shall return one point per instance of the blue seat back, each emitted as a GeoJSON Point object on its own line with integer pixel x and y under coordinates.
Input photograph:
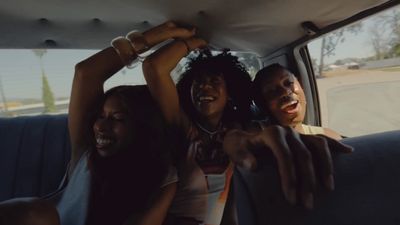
{"type": "Point", "coordinates": [34, 153]}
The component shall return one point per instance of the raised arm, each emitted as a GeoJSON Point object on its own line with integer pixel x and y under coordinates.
{"type": "Point", "coordinates": [157, 72]}
{"type": "Point", "coordinates": [86, 94]}
{"type": "Point", "coordinates": [90, 75]}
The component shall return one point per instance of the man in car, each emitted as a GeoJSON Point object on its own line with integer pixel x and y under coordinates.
{"type": "Point", "coordinates": [279, 95]}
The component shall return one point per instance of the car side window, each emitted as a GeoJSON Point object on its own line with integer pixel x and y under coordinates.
{"type": "Point", "coordinates": [357, 71]}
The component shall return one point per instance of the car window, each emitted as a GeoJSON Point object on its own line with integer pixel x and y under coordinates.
{"type": "Point", "coordinates": [358, 75]}
{"type": "Point", "coordinates": [38, 81]}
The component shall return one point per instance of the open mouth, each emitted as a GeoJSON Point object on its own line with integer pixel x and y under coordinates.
{"type": "Point", "coordinates": [103, 142]}
{"type": "Point", "coordinates": [290, 107]}
{"type": "Point", "coordinates": [206, 98]}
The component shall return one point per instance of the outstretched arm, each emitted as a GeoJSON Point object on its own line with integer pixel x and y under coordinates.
{"type": "Point", "coordinates": [157, 69]}
{"type": "Point", "coordinates": [302, 160]}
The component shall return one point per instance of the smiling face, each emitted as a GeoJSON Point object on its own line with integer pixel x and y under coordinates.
{"type": "Point", "coordinates": [284, 98]}
{"type": "Point", "coordinates": [209, 96]}
{"type": "Point", "coordinates": [113, 128]}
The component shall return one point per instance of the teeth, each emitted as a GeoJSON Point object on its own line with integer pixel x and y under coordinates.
{"type": "Point", "coordinates": [206, 98]}
{"type": "Point", "coordinates": [289, 104]}
{"type": "Point", "coordinates": [103, 141]}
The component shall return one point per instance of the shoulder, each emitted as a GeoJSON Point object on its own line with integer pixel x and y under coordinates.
{"type": "Point", "coordinates": [332, 134]}
{"type": "Point", "coordinates": [309, 129]}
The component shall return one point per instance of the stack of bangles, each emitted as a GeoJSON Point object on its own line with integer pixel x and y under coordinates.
{"type": "Point", "coordinates": [130, 47]}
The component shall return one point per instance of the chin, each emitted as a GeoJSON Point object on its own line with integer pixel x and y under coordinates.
{"type": "Point", "coordinates": [205, 112]}
{"type": "Point", "coordinates": [105, 153]}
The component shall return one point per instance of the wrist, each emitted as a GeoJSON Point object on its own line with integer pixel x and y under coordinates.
{"type": "Point", "coordinates": [125, 51]}
{"type": "Point", "coordinates": [138, 41]}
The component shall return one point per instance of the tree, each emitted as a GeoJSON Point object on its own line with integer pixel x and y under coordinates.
{"type": "Point", "coordinates": [378, 41]}
{"type": "Point", "coordinates": [332, 40]}
{"type": "Point", "coordinates": [47, 94]}
{"type": "Point", "coordinates": [3, 97]}
{"type": "Point", "coordinates": [389, 21]}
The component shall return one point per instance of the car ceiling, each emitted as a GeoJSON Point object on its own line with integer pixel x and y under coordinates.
{"type": "Point", "coordinates": [260, 26]}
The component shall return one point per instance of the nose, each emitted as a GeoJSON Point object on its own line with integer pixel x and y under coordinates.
{"type": "Point", "coordinates": [205, 84]}
{"type": "Point", "coordinates": [101, 125]}
{"type": "Point", "coordinates": [285, 91]}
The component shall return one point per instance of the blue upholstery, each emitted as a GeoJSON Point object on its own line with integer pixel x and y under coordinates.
{"type": "Point", "coordinates": [34, 153]}
{"type": "Point", "coordinates": [367, 189]}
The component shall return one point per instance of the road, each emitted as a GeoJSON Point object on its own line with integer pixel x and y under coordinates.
{"type": "Point", "coordinates": [362, 102]}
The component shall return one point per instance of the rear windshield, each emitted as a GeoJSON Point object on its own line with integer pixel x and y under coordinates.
{"type": "Point", "coordinates": [38, 81]}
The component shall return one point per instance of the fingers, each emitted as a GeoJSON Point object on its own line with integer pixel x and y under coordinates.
{"type": "Point", "coordinates": [295, 164]}
{"type": "Point", "coordinates": [275, 138]}
{"type": "Point", "coordinates": [168, 30]}
{"type": "Point", "coordinates": [304, 168]}
{"type": "Point", "coordinates": [322, 158]}
{"type": "Point", "coordinates": [301, 159]}
{"type": "Point", "coordinates": [194, 43]}
{"type": "Point", "coordinates": [336, 146]}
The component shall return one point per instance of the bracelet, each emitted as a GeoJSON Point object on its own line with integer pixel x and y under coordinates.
{"type": "Point", "coordinates": [138, 42]}
{"type": "Point", "coordinates": [125, 51]}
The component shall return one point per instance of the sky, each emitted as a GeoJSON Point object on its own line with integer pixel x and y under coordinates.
{"type": "Point", "coordinates": [20, 73]}
{"type": "Point", "coordinates": [355, 45]}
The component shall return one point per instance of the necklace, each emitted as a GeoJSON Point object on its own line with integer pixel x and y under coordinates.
{"type": "Point", "coordinates": [210, 133]}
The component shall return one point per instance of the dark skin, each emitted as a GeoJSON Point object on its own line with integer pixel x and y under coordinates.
{"type": "Point", "coordinates": [293, 152]}
{"type": "Point", "coordinates": [285, 99]}
{"type": "Point", "coordinates": [113, 128]}
{"type": "Point", "coordinates": [37, 212]}
{"type": "Point", "coordinates": [209, 96]}
{"type": "Point", "coordinates": [110, 129]}
{"type": "Point", "coordinates": [110, 134]}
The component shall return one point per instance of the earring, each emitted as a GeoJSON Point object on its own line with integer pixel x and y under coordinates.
{"type": "Point", "coordinates": [232, 104]}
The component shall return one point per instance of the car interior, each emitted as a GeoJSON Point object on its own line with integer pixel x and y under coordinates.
{"type": "Point", "coordinates": [35, 148]}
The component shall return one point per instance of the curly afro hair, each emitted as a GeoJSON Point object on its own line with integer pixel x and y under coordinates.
{"type": "Point", "coordinates": [237, 79]}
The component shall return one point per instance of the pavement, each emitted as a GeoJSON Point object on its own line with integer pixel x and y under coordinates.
{"type": "Point", "coordinates": [359, 102]}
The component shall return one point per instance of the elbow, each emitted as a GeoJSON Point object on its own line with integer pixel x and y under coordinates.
{"type": "Point", "coordinates": [81, 73]}
{"type": "Point", "coordinates": [80, 69]}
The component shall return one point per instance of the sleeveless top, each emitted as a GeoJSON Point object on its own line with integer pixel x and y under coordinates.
{"type": "Point", "coordinates": [205, 173]}
{"type": "Point", "coordinates": [73, 201]}
{"type": "Point", "coordinates": [308, 129]}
